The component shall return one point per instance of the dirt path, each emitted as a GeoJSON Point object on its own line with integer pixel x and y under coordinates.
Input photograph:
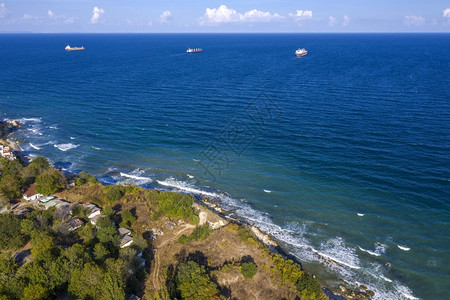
{"type": "Point", "coordinates": [155, 274]}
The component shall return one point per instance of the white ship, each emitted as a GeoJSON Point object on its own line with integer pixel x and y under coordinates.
{"type": "Point", "coordinates": [68, 48]}
{"type": "Point", "coordinates": [301, 52]}
{"type": "Point", "coordinates": [194, 50]}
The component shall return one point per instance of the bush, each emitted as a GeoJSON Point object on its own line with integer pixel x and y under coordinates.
{"type": "Point", "coordinates": [178, 205]}
{"type": "Point", "coordinates": [50, 181]}
{"type": "Point", "coordinates": [113, 193]}
{"type": "Point", "coordinates": [127, 219]}
{"type": "Point", "coordinates": [248, 269]}
{"type": "Point", "coordinates": [194, 283]}
{"type": "Point", "coordinates": [10, 187]}
{"type": "Point", "coordinates": [199, 233]}
{"type": "Point", "coordinates": [309, 287]}
{"type": "Point", "coordinates": [88, 178]}
{"type": "Point", "coordinates": [10, 235]}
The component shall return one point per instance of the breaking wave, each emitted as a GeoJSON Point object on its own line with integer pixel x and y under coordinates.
{"type": "Point", "coordinates": [65, 147]}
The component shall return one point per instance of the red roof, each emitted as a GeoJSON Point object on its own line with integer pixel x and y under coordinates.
{"type": "Point", "coordinates": [29, 191]}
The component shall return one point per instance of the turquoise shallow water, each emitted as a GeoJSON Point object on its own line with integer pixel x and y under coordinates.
{"type": "Point", "coordinates": [342, 153]}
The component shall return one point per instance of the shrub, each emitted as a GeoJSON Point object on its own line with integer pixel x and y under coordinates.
{"type": "Point", "coordinates": [248, 269]}
{"type": "Point", "coordinates": [199, 233]}
{"type": "Point", "coordinates": [50, 181]}
{"type": "Point", "coordinates": [194, 283]}
{"type": "Point", "coordinates": [178, 205]}
{"type": "Point", "coordinates": [10, 235]}
{"type": "Point", "coordinates": [88, 178]}
{"type": "Point", "coordinates": [113, 193]}
{"type": "Point", "coordinates": [10, 187]}
{"type": "Point", "coordinates": [309, 287]}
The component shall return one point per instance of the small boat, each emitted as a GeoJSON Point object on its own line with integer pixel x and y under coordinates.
{"type": "Point", "coordinates": [301, 52]}
{"type": "Point", "coordinates": [68, 48]}
{"type": "Point", "coordinates": [194, 50]}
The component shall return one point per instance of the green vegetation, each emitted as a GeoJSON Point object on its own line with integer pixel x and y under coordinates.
{"type": "Point", "coordinates": [289, 271]}
{"type": "Point", "coordinates": [176, 205]}
{"type": "Point", "coordinates": [113, 193]}
{"type": "Point", "coordinates": [10, 186]}
{"type": "Point", "coordinates": [10, 235]}
{"type": "Point", "coordinates": [193, 282]}
{"type": "Point", "coordinates": [93, 269]}
{"type": "Point", "coordinates": [199, 233]}
{"type": "Point", "coordinates": [50, 181]}
{"type": "Point", "coordinates": [248, 269]}
{"type": "Point", "coordinates": [127, 219]}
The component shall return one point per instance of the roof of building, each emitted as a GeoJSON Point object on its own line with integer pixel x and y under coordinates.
{"type": "Point", "coordinates": [30, 191]}
{"type": "Point", "coordinates": [124, 231]}
{"type": "Point", "coordinates": [125, 241]}
{"type": "Point", "coordinates": [75, 223]}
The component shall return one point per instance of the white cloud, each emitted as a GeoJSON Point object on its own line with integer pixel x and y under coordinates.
{"type": "Point", "coordinates": [28, 17]}
{"type": "Point", "coordinates": [223, 14]}
{"type": "Point", "coordinates": [446, 13]}
{"type": "Point", "coordinates": [70, 20]}
{"type": "Point", "coordinates": [150, 23]}
{"type": "Point", "coordinates": [346, 20]}
{"type": "Point", "coordinates": [414, 20]}
{"type": "Point", "coordinates": [3, 11]}
{"type": "Point", "coordinates": [96, 14]}
{"type": "Point", "coordinates": [302, 15]}
{"type": "Point", "coordinates": [332, 21]}
{"type": "Point", "coordinates": [50, 14]}
{"type": "Point", "coordinates": [165, 17]}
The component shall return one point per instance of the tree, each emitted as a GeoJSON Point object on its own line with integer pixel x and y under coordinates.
{"type": "Point", "coordinates": [40, 163]}
{"type": "Point", "coordinates": [27, 226]}
{"type": "Point", "coordinates": [12, 167]}
{"type": "Point", "coordinates": [248, 269]}
{"type": "Point", "coordinates": [309, 287]}
{"type": "Point", "coordinates": [77, 257]}
{"type": "Point", "coordinates": [113, 286]}
{"type": "Point", "coordinates": [10, 235]}
{"type": "Point", "coordinates": [41, 242]}
{"type": "Point", "coordinates": [113, 193]}
{"type": "Point", "coordinates": [127, 219]}
{"type": "Point", "coordinates": [50, 181]}
{"type": "Point", "coordinates": [10, 186]}
{"type": "Point", "coordinates": [88, 178]}
{"type": "Point", "coordinates": [35, 292]}
{"type": "Point", "coordinates": [108, 211]}
{"type": "Point", "coordinates": [194, 283]}
{"type": "Point", "coordinates": [100, 252]}
{"type": "Point", "coordinates": [107, 234]}
{"type": "Point", "coordinates": [87, 283]}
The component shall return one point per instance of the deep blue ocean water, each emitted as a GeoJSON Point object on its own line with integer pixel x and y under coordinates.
{"type": "Point", "coordinates": [344, 153]}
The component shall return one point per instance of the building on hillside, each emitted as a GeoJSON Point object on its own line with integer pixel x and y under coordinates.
{"type": "Point", "coordinates": [93, 212]}
{"type": "Point", "coordinates": [31, 194]}
{"type": "Point", "coordinates": [74, 224]}
{"type": "Point", "coordinates": [125, 238]}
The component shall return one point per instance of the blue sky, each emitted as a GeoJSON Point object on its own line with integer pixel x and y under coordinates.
{"type": "Point", "coordinates": [224, 16]}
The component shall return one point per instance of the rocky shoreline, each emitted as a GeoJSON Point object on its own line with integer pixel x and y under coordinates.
{"type": "Point", "coordinates": [345, 290]}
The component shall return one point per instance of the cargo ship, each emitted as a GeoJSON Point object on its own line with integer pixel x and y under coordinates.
{"type": "Point", "coordinates": [195, 50]}
{"type": "Point", "coordinates": [301, 52]}
{"type": "Point", "coordinates": [68, 48]}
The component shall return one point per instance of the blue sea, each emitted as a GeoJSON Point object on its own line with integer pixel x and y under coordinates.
{"type": "Point", "coordinates": [342, 155]}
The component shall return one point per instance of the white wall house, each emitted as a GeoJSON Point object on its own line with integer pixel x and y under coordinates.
{"type": "Point", "coordinates": [31, 194]}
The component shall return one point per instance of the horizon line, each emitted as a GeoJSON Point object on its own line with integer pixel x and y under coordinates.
{"type": "Point", "coordinates": [231, 32]}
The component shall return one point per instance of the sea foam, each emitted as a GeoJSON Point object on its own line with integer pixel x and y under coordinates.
{"type": "Point", "coordinates": [65, 147]}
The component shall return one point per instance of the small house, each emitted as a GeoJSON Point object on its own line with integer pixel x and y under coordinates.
{"type": "Point", "coordinates": [126, 241]}
{"type": "Point", "coordinates": [74, 224]}
{"type": "Point", "coordinates": [31, 194]}
{"type": "Point", "coordinates": [125, 238]}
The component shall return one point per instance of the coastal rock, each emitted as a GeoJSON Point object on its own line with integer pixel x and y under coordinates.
{"type": "Point", "coordinates": [7, 127]}
{"type": "Point", "coordinates": [342, 288]}
{"type": "Point", "coordinates": [263, 237]}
